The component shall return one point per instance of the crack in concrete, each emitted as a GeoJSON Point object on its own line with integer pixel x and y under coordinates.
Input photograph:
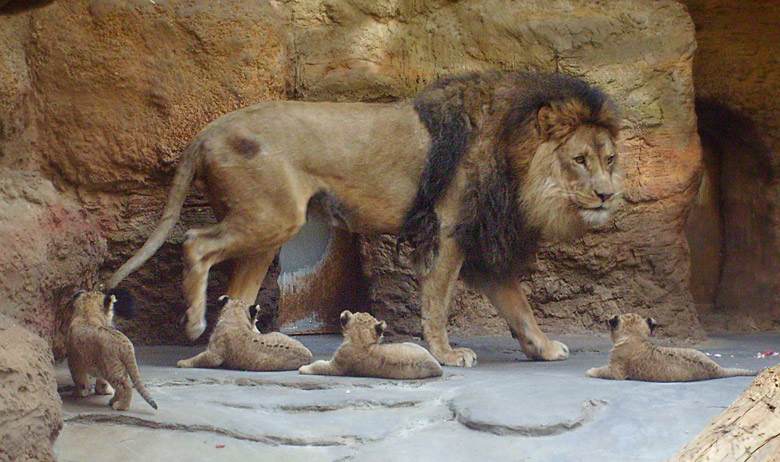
{"type": "Point", "coordinates": [344, 440]}
{"type": "Point", "coordinates": [589, 410]}
{"type": "Point", "coordinates": [350, 405]}
{"type": "Point", "coordinates": [306, 386]}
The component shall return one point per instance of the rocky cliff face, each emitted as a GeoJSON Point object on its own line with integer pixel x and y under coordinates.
{"type": "Point", "coordinates": [737, 215]}
{"type": "Point", "coordinates": [101, 95]}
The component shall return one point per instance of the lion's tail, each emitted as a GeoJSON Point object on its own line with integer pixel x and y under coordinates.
{"type": "Point", "coordinates": [181, 184]}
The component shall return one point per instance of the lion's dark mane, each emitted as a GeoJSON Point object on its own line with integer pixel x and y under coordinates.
{"type": "Point", "coordinates": [492, 230]}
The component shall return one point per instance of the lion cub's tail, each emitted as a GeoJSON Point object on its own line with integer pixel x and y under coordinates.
{"type": "Point", "coordinates": [734, 372]}
{"type": "Point", "coordinates": [181, 185]}
{"type": "Point", "coordinates": [132, 370]}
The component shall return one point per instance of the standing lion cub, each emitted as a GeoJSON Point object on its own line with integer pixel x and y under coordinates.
{"type": "Point", "coordinates": [237, 344]}
{"type": "Point", "coordinates": [362, 355]}
{"type": "Point", "coordinates": [633, 357]}
{"type": "Point", "coordinates": [98, 350]}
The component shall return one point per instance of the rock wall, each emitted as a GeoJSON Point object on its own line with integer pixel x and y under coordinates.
{"type": "Point", "coordinates": [103, 93]}
{"type": "Point", "coordinates": [737, 249]}
{"type": "Point", "coordinates": [30, 408]}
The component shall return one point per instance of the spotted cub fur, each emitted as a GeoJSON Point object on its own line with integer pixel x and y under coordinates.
{"type": "Point", "coordinates": [361, 354]}
{"type": "Point", "coordinates": [237, 344]}
{"type": "Point", "coordinates": [96, 349]}
{"type": "Point", "coordinates": [633, 357]}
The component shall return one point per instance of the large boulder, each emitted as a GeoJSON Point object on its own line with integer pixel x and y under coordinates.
{"type": "Point", "coordinates": [639, 52]}
{"type": "Point", "coordinates": [30, 408]}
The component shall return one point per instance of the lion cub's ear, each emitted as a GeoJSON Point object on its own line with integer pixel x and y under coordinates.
{"type": "Point", "coordinates": [613, 322]}
{"type": "Point", "coordinates": [253, 311]}
{"type": "Point", "coordinates": [222, 301]}
{"type": "Point", "coordinates": [108, 303]}
{"type": "Point", "coordinates": [651, 324]}
{"type": "Point", "coordinates": [346, 315]}
{"type": "Point", "coordinates": [380, 328]}
{"type": "Point", "coordinates": [125, 303]}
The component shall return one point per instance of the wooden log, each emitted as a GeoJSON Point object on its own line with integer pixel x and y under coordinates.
{"type": "Point", "coordinates": [749, 430]}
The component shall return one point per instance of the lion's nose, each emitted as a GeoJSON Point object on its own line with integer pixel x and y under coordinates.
{"type": "Point", "coordinates": [604, 196]}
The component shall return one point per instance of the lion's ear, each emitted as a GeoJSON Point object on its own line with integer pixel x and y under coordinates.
{"type": "Point", "coordinates": [613, 322]}
{"type": "Point", "coordinates": [253, 311]}
{"type": "Point", "coordinates": [345, 317]}
{"type": "Point", "coordinates": [553, 122]}
{"type": "Point", "coordinates": [380, 328]}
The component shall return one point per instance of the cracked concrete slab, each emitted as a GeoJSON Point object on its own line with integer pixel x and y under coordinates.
{"type": "Point", "coordinates": [507, 408]}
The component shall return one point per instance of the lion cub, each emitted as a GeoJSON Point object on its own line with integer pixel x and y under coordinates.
{"type": "Point", "coordinates": [237, 344]}
{"type": "Point", "coordinates": [98, 350]}
{"type": "Point", "coordinates": [362, 355]}
{"type": "Point", "coordinates": [633, 357]}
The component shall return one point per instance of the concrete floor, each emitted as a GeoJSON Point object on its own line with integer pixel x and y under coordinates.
{"type": "Point", "coordinates": [504, 409]}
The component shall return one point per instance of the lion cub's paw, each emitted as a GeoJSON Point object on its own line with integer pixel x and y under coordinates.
{"type": "Point", "coordinates": [592, 372]}
{"type": "Point", "coordinates": [103, 388]}
{"type": "Point", "coordinates": [459, 357]}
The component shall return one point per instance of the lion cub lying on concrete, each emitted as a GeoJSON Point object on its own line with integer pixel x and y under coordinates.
{"type": "Point", "coordinates": [98, 350]}
{"type": "Point", "coordinates": [633, 357]}
{"type": "Point", "coordinates": [362, 355]}
{"type": "Point", "coordinates": [237, 344]}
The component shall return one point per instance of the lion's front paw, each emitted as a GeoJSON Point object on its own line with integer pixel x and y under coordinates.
{"type": "Point", "coordinates": [102, 387]}
{"type": "Point", "coordinates": [196, 329]}
{"type": "Point", "coordinates": [459, 357]}
{"type": "Point", "coordinates": [305, 370]}
{"type": "Point", "coordinates": [592, 372]}
{"type": "Point", "coordinates": [552, 351]}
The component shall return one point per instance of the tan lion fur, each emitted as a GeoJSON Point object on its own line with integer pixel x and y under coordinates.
{"type": "Point", "coordinates": [633, 357]}
{"type": "Point", "coordinates": [534, 157]}
{"type": "Point", "coordinates": [236, 344]}
{"type": "Point", "coordinates": [95, 349]}
{"type": "Point", "coordinates": [363, 355]}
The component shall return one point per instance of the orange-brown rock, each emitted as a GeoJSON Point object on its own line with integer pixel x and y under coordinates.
{"type": "Point", "coordinates": [30, 408]}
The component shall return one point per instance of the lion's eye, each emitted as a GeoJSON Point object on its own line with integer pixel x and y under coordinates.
{"type": "Point", "coordinates": [580, 160]}
{"type": "Point", "coordinates": [610, 160]}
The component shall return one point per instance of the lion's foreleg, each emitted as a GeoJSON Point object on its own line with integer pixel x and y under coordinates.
{"type": "Point", "coordinates": [603, 372]}
{"type": "Point", "coordinates": [436, 290]}
{"type": "Point", "coordinates": [247, 276]}
{"type": "Point", "coordinates": [206, 359]}
{"type": "Point", "coordinates": [509, 299]}
{"type": "Point", "coordinates": [319, 368]}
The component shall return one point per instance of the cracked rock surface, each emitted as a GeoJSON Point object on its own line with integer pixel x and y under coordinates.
{"type": "Point", "coordinates": [506, 408]}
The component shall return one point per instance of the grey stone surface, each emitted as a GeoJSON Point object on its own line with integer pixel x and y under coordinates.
{"type": "Point", "coordinates": [506, 408]}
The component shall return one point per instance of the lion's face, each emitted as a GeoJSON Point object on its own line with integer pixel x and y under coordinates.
{"type": "Point", "coordinates": [589, 173]}
{"type": "Point", "coordinates": [631, 325]}
{"type": "Point", "coordinates": [362, 327]}
{"type": "Point", "coordinates": [95, 307]}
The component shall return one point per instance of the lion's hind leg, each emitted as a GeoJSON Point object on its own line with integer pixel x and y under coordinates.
{"type": "Point", "coordinates": [207, 359]}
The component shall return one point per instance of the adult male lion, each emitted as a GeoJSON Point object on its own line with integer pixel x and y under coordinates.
{"type": "Point", "coordinates": [472, 174]}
